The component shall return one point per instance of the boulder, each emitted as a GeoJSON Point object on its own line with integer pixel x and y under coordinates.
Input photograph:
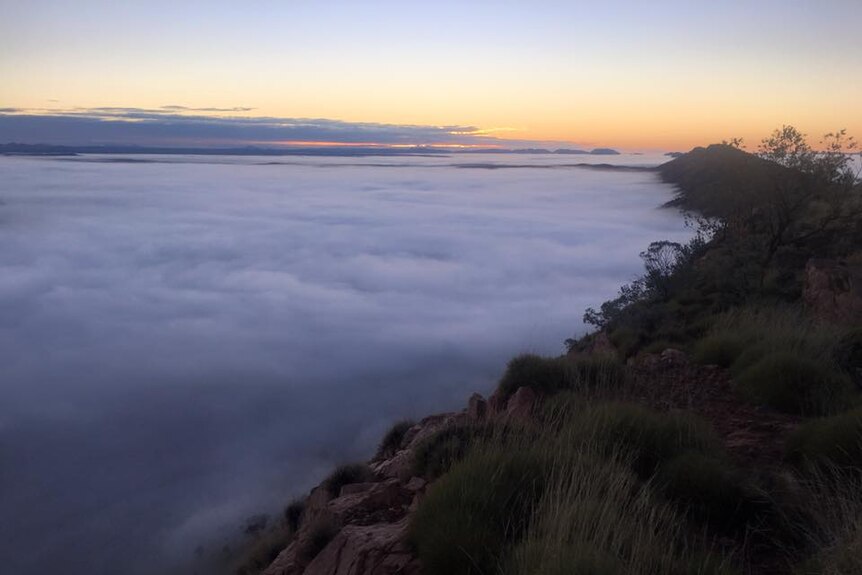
{"type": "Point", "coordinates": [671, 357]}
{"type": "Point", "coordinates": [396, 467]}
{"type": "Point", "coordinates": [520, 405]}
{"type": "Point", "coordinates": [378, 549]}
{"type": "Point", "coordinates": [833, 290]}
{"type": "Point", "coordinates": [384, 501]}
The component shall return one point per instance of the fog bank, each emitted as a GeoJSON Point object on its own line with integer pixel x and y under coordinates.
{"type": "Point", "coordinates": [186, 342]}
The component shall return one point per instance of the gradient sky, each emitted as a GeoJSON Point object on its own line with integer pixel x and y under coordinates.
{"type": "Point", "coordinates": [631, 74]}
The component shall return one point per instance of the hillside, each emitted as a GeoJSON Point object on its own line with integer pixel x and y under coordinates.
{"type": "Point", "coordinates": [710, 424]}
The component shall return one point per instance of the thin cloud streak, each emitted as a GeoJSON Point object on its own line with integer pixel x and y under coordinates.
{"type": "Point", "coordinates": [220, 127]}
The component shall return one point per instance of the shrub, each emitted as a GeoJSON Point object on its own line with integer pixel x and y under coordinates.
{"type": "Point", "coordinates": [596, 517]}
{"type": "Point", "coordinates": [720, 349]}
{"type": "Point", "coordinates": [707, 489]}
{"type": "Point", "coordinates": [435, 454]}
{"type": "Point", "coordinates": [552, 375]}
{"type": "Point", "coordinates": [293, 514]}
{"type": "Point", "coordinates": [391, 442]}
{"type": "Point", "coordinates": [345, 475]}
{"type": "Point", "coordinates": [834, 527]}
{"type": "Point", "coordinates": [602, 372]}
{"type": "Point", "coordinates": [835, 440]}
{"type": "Point", "coordinates": [649, 437]}
{"type": "Point", "coordinates": [543, 374]}
{"type": "Point", "coordinates": [794, 384]}
{"type": "Point", "coordinates": [470, 517]}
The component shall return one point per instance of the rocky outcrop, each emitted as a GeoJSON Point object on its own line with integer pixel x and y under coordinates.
{"type": "Point", "coordinates": [363, 530]}
{"type": "Point", "coordinates": [833, 290]}
{"type": "Point", "coordinates": [378, 549]}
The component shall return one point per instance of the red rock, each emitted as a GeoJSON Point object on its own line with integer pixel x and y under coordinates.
{"type": "Point", "coordinates": [353, 488]}
{"type": "Point", "coordinates": [520, 406]}
{"type": "Point", "coordinates": [833, 290]}
{"type": "Point", "coordinates": [396, 467]}
{"type": "Point", "coordinates": [378, 549]}
{"type": "Point", "coordinates": [387, 500]}
{"type": "Point", "coordinates": [416, 484]}
{"type": "Point", "coordinates": [672, 356]}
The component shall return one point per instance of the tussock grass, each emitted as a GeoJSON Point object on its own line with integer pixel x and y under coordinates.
{"type": "Point", "coordinates": [795, 384]}
{"type": "Point", "coordinates": [345, 475]}
{"type": "Point", "coordinates": [649, 437]}
{"type": "Point", "coordinates": [391, 441]}
{"type": "Point", "coordinates": [550, 375]}
{"type": "Point", "coordinates": [573, 491]}
{"type": "Point", "coordinates": [833, 441]}
{"type": "Point", "coordinates": [741, 337]}
{"type": "Point", "coordinates": [833, 530]}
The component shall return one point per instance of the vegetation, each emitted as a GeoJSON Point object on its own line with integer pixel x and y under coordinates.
{"type": "Point", "coordinates": [833, 441]}
{"type": "Point", "coordinates": [391, 441]}
{"type": "Point", "coordinates": [346, 475]}
{"type": "Point", "coordinates": [476, 511]}
{"type": "Point", "coordinates": [794, 384]}
{"type": "Point", "coordinates": [549, 375]}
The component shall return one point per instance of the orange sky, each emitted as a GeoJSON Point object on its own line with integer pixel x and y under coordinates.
{"type": "Point", "coordinates": [624, 74]}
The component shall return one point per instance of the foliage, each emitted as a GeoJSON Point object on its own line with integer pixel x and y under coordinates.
{"type": "Point", "coordinates": [391, 441]}
{"type": "Point", "coordinates": [794, 384]}
{"type": "Point", "coordinates": [709, 489]}
{"type": "Point", "coordinates": [438, 452]}
{"type": "Point", "coordinates": [720, 349]}
{"type": "Point", "coordinates": [471, 515]}
{"type": "Point", "coordinates": [543, 374]}
{"type": "Point", "coordinates": [549, 375]}
{"type": "Point", "coordinates": [835, 440]}
{"type": "Point", "coordinates": [648, 437]}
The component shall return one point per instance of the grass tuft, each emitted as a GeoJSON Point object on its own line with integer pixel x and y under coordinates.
{"type": "Point", "coordinates": [794, 384]}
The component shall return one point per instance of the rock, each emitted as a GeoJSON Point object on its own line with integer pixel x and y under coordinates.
{"type": "Point", "coordinates": [431, 425]}
{"type": "Point", "coordinates": [672, 356]}
{"type": "Point", "coordinates": [416, 484]}
{"type": "Point", "coordinates": [287, 562]}
{"type": "Point", "coordinates": [316, 502]}
{"type": "Point", "coordinates": [399, 466]}
{"type": "Point", "coordinates": [602, 345]}
{"type": "Point", "coordinates": [384, 501]}
{"type": "Point", "coordinates": [378, 549]}
{"type": "Point", "coordinates": [598, 344]}
{"type": "Point", "coordinates": [477, 408]}
{"type": "Point", "coordinates": [496, 405]}
{"type": "Point", "coordinates": [833, 290]}
{"type": "Point", "coordinates": [520, 406]}
{"type": "Point", "coordinates": [353, 488]}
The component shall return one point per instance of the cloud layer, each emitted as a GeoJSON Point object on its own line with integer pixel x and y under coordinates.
{"type": "Point", "coordinates": [218, 127]}
{"type": "Point", "coordinates": [186, 343]}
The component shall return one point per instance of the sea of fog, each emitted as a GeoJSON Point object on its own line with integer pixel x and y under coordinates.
{"type": "Point", "coordinates": [186, 341]}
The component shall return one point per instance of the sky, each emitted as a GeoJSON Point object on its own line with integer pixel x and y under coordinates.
{"type": "Point", "coordinates": [630, 74]}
